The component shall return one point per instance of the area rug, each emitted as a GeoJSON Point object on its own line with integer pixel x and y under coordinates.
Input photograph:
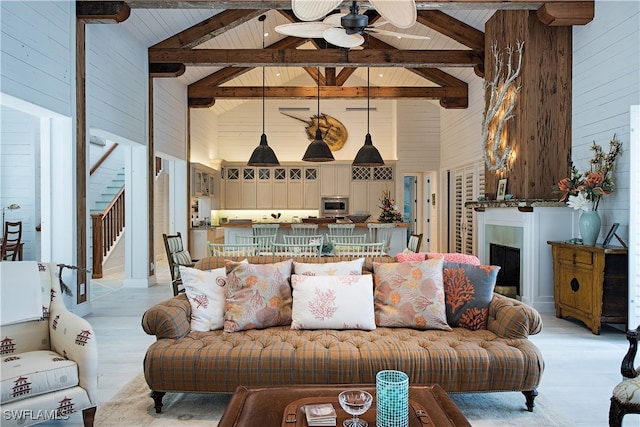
{"type": "Point", "coordinates": [133, 406]}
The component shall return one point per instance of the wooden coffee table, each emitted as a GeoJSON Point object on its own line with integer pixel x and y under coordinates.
{"type": "Point", "coordinates": [276, 406]}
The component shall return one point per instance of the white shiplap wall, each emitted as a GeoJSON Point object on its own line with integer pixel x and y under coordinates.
{"type": "Point", "coordinates": [117, 82]}
{"type": "Point", "coordinates": [418, 135]}
{"type": "Point", "coordinates": [19, 174]}
{"type": "Point", "coordinates": [37, 53]}
{"type": "Point", "coordinates": [606, 82]}
{"type": "Point", "coordinates": [203, 130]}
{"type": "Point", "coordinates": [461, 136]}
{"type": "Point", "coordinates": [170, 117]}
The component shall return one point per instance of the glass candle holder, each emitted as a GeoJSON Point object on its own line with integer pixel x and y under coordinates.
{"type": "Point", "coordinates": [392, 399]}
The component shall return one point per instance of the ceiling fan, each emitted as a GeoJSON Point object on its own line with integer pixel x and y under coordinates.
{"type": "Point", "coordinates": [346, 29]}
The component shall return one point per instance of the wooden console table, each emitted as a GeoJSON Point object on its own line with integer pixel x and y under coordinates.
{"type": "Point", "coordinates": [590, 283]}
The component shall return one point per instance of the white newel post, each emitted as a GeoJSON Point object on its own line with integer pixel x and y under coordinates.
{"type": "Point", "coordinates": [532, 228]}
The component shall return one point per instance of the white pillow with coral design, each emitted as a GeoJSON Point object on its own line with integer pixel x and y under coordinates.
{"type": "Point", "coordinates": [205, 291]}
{"type": "Point", "coordinates": [332, 302]}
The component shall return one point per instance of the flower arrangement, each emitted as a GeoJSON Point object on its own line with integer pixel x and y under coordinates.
{"type": "Point", "coordinates": [584, 190]}
{"type": "Point", "coordinates": [389, 209]}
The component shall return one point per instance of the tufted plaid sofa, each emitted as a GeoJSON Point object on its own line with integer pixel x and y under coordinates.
{"type": "Point", "coordinates": [501, 358]}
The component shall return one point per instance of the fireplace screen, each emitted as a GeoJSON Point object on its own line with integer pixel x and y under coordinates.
{"type": "Point", "coordinates": [508, 258]}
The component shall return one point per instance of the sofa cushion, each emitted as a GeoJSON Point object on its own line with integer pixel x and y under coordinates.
{"type": "Point", "coordinates": [257, 295]}
{"type": "Point", "coordinates": [468, 291]}
{"type": "Point", "coordinates": [410, 294]}
{"type": "Point", "coordinates": [341, 268]}
{"type": "Point", "coordinates": [411, 256]}
{"type": "Point", "coordinates": [332, 302]}
{"type": "Point", "coordinates": [206, 293]}
{"type": "Point", "coordinates": [34, 373]}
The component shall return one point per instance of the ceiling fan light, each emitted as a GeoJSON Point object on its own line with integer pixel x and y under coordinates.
{"type": "Point", "coordinates": [318, 150]}
{"type": "Point", "coordinates": [368, 154]}
{"type": "Point", "coordinates": [263, 155]}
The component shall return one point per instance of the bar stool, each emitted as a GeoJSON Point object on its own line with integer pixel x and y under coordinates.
{"type": "Point", "coordinates": [381, 233]}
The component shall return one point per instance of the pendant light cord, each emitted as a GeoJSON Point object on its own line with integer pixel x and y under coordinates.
{"type": "Point", "coordinates": [263, 79]}
{"type": "Point", "coordinates": [368, 99]}
{"type": "Point", "coordinates": [318, 68]}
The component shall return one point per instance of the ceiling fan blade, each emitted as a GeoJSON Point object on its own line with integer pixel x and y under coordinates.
{"type": "Point", "coordinates": [334, 19]}
{"type": "Point", "coordinates": [397, 34]}
{"type": "Point", "coordinates": [339, 37]}
{"type": "Point", "coordinates": [401, 13]}
{"type": "Point", "coordinates": [312, 10]}
{"type": "Point", "coordinates": [311, 30]}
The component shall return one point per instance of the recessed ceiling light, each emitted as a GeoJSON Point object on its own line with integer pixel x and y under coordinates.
{"type": "Point", "coordinates": [380, 75]}
{"type": "Point", "coordinates": [277, 74]}
{"type": "Point", "coordinates": [266, 34]}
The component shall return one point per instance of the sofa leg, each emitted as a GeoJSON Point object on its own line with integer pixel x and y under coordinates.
{"type": "Point", "coordinates": [157, 400]}
{"type": "Point", "coordinates": [530, 395]}
{"type": "Point", "coordinates": [88, 415]}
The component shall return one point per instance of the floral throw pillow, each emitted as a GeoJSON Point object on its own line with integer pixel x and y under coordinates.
{"type": "Point", "coordinates": [468, 291]}
{"type": "Point", "coordinates": [341, 268]}
{"type": "Point", "coordinates": [257, 295]}
{"type": "Point", "coordinates": [333, 302]}
{"type": "Point", "coordinates": [410, 295]}
{"type": "Point", "coordinates": [206, 294]}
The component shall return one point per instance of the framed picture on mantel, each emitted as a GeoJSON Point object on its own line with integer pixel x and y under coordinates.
{"type": "Point", "coordinates": [502, 189]}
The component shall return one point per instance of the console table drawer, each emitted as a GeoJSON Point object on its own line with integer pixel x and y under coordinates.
{"type": "Point", "coordinates": [576, 256]}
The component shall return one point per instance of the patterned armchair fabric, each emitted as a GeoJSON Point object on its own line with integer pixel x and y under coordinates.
{"type": "Point", "coordinates": [49, 366]}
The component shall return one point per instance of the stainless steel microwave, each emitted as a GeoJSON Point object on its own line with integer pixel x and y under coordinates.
{"type": "Point", "coordinates": [334, 206]}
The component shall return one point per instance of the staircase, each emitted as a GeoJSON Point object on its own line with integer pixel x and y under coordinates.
{"type": "Point", "coordinates": [107, 222]}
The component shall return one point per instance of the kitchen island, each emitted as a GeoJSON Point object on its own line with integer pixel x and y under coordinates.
{"type": "Point", "coordinates": [398, 237]}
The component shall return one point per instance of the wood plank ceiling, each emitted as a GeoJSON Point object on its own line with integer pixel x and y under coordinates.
{"type": "Point", "coordinates": [217, 53]}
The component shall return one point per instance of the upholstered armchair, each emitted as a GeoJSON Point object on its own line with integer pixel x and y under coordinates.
{"type": "Point", "coordinates": [626, 395]}
{"type": "Point", "coordinates": [49, 362]}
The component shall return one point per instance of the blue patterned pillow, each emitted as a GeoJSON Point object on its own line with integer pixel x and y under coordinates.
{"type": "Point", "coordinates": [468, 292]}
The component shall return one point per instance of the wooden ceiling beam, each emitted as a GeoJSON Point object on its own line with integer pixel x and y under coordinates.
{"type": "Point", "coordinates": [166, 70]}
{"type": "Point", "coordinates": [102, 12]}
{"type": "Point", "coordinates": [566, 13]}
{"type": "Point", "coordinates": [209, 28]}
{"type": "Point", "coordinates": [311, 58]}
{"type": "Point", "coordinates": [326, 92]}
{"type": "Point", "coordinates": [286, 4]}
{"type": "Point", "coordinates": [315, 74]}
{"type": "Point", "coordinates": [230, 73]}
{"type": "Point", "coordinates": [344, 75]}
{"type": "Point", "coordinates": [452, 28]}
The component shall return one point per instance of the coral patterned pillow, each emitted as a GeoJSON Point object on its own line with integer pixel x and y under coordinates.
{"type": "Point", "coordinates": [411, 256]}
{"type": "Point", "coordinates": [410, 294]}
{"type": "Point", "coordinates": [455, 257]}
{"type": "Point", "coordinates": [469, 290]}
{"type": "Point", "coordinates": [206, 295]}
{"type": "Point", "coordinates": [333, 302]}
{"type": "Point", "coordinates": [258, 295]}
{"type": "Point", "coordinates": [341, 268]}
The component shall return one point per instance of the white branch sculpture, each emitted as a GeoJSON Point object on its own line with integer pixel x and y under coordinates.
{"type": "Point", "coordinates": [502, 101]}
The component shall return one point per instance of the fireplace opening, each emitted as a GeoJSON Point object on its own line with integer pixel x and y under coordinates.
{"type": "Point", "coordinates": [508, 258]}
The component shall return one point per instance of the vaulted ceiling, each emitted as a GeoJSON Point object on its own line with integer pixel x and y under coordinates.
{"type": "Point", "coordinates": [216, 48]}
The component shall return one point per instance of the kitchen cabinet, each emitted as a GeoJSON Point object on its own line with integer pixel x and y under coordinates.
{"type": "Point", "coordinates": [590, 283]}
{"type": "Point", "coordinates": [286, 187]}
{"type": "Point", "coordinates": [199, 237]}
{"type": "Point", "coordinates": [303, 188]}
{"type": "Point", "coordinates": [335, 179]}
{"type": "Point", "coordinates": [367, 185]}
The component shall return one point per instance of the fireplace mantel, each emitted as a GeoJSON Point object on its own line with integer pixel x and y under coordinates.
{"type": "Point", "coordinates": [524, 205]}
{"type": "Point", "coordinates": [535, 224]}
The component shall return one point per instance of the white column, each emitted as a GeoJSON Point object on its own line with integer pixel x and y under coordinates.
{"type": "Point", "coordinates": [178, 201]}
{"type": "Point", "coordinates": [136, 218]}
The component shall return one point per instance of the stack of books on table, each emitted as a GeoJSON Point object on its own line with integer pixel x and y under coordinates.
{"type": "Point", "coordinates": [320, 414]}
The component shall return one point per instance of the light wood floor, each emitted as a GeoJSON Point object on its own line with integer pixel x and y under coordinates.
{"type": "Point", "coordinates": [581, 368]}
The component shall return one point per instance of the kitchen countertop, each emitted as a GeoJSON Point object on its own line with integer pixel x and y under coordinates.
{"type": "Point", "coordinates": [288, 224]}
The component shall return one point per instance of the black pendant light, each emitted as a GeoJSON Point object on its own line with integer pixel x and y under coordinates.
{"type": "Point", "coordinates": [368, 154]}
{"type": "Point", "coordinates": [318, 150]}
{"type": "Point", "coordinates": [263, 155]}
